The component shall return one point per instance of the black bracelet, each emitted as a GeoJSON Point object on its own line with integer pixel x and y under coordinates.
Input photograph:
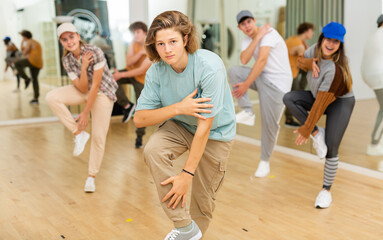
{"type": "Point", "coordinates": [183, 170]}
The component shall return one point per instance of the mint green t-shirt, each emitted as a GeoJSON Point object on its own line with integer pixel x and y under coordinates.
{"type": "Point", "coordinates": [204, 71]}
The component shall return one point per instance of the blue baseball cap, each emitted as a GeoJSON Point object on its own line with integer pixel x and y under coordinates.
{"type": "Point", "coordinates": [334, 30]}
{"type": "Point", "coordinates": [7, 39]}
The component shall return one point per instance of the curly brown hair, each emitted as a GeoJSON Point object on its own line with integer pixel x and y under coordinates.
{"type": "Point", "coordinates": [177, 21]}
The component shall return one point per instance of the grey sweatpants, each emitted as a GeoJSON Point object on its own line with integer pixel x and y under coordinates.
{"type": "Point", "coordinates": [270, 102]}
{"type": "Point", "coordinates": [378, 128]}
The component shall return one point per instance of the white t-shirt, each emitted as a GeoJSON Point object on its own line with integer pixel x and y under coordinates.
{"type": "Point", "coordinates": [372, 63]}
{"type": "Point", "coordinates": [277, 69]}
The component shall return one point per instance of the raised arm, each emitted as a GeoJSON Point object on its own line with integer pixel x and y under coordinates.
{"type": "Point", "coordinates": [82, 83]}
{"type": "Point", "coordinates": [249, 51]}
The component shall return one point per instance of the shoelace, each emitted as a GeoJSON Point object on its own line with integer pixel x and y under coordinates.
{"type": "Point", "coordinates": [173, 235]}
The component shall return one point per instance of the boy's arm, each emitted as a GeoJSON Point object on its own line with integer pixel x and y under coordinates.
{"type": "Point", "coordinates": [298, 50]}
{"type": "Point", "coordinates": [241, 88]}
{"type": "Point", "coordinates": [188, 106]}
{"type": "Point", "coordinates": [249, 51]}
{"type": "Point", "coordinates": [27, 49]}
{"type": "Point", "coordinates": [181, 182]}
{"type": "Point", "coordinates": [131, 57]}
{"type": "Point", "coordinates": [134, 72]}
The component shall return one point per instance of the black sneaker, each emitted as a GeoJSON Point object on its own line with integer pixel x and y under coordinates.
{"type": "Point", "coordinates": [34, 102]}
{"type": "Point", "coordinates": [139, 142]}
{"type": "Point", "coordinates": [27, 82]}
{"type": "Point", "coordinates": [128, 112]}
{"type": "Point", "coordinates": [292, 124]}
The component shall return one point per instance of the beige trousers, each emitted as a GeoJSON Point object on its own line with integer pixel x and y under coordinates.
{"type": "Point", "coordinates": [58, 99]}
{"type": "Point", "coordinates": [165, 146]}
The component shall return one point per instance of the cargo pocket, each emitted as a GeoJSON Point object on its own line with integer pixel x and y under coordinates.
{"type": "Point", "coordinates": [218, 178]}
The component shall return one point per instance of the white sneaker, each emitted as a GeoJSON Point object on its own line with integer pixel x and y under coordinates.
{"type": "Point", "coordinates": [80, 141]}
{"type": "Point", "coordinates": [89, 185]}
{"type": "Point", "coordinates": [245, 117]}
{"type": "Point", "coordinates": [319, 143]}
{"type": "Point", "coordinates": [324, 199]}
{"type": "Point", "coordinates": [193, 234]}
{"type": "Point", "coordinates": [374, 150]}
{"type": "Point", "coordinates": [263, 169]}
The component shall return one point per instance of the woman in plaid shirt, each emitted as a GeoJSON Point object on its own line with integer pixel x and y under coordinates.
{"type": "Point", "coordinates": [94, 85]}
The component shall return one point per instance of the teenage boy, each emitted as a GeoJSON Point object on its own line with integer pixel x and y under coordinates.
{"type": "Point", "coordinates": [270, 76]}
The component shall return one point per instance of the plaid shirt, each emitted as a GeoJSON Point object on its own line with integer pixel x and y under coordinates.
{"type": "Point", "coordinates": [73, 67]}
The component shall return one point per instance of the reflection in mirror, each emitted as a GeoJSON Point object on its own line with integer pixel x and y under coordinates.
{"type": "Point", "coordinates": [90, 17]}
{"type": "Point", "coordinates": [285, 16]}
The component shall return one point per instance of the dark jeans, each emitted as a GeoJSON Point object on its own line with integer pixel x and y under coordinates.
{"type": "Point", "coordinates": [123, 100]}
{"type": "Point", "coordinates": [10, 62]}
{"type": "Point", "coordinates": [299, 83]}
{"type": "Point", "coordinates": [23, 63]}
{"type": "Point", "coordinates": [338, 116]}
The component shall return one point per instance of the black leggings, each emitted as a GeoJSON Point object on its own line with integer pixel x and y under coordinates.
{"type": "Point", "coordinates": [338, 116]}
{"type": "Point", "coordinates": [23, 63]}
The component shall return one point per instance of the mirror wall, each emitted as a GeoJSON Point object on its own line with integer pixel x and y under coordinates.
{"type": "Point", "coordinates": [215, 21]}
{"type": "Point", "coordinates": [318, 12]}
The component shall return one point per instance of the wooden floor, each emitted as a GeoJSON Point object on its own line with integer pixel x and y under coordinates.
{"type": "Point", "coordinates": [41, 194]}
{"type": "Point", "coordinates": [15, 105]}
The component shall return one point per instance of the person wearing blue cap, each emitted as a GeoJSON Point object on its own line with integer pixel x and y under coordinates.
{"type": "Point", "coordinates": [329, 80]}
{"type": "Point", "coordinates": [270, 76]}
{"type": "Point", "coordinates": [372, 73]}
{"type": "Point", "coordinates": [12, 54]}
